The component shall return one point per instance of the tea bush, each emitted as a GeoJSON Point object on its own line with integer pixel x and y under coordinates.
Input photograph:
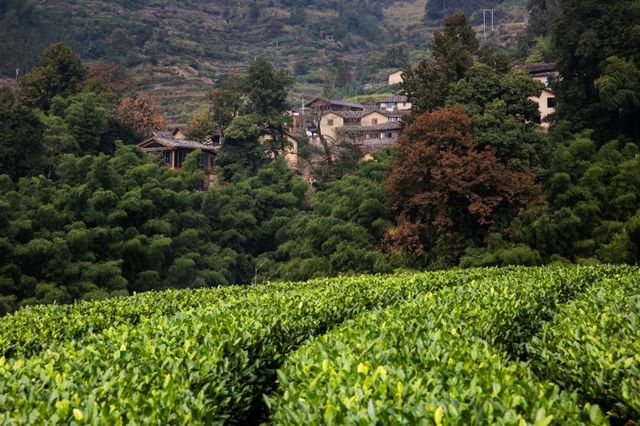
{"type": "Point", "coordinates": [207, 362]}
{"type": "Point", "coordinates": [440, 347]}
{"type": "Point", "coordinates": [449, 356]}
{"type": "Point", "coordinates": [593, 347]}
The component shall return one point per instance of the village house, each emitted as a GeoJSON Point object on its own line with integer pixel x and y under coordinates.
{"type": "Point", "coordinates": [395, 103]}
{"type": "Point", "coordinates": [381, 134]}
{"type": "Point", "coordinates": [307, 119]}
{"type": "Point", "coordinates": [395, 77]}
{"type": "Point", "coordinates": [372, 129]}
{"type": "Point", "coordinates": [172, 148]}
{"type": "Point", "coordinates": [547, 99]}
{"type": "Point", "coordinates": [330, 121]}
{"type": "Point", "coordinates": [322, 105]}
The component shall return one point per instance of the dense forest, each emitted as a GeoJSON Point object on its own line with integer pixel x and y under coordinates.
{"type": "Point", "coordinates": [473, 181]}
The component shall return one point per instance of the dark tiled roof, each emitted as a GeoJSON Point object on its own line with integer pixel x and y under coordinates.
{"type": "Point", "coordinates": [391, 125]}
{"type": "Point", "coordinates": [166, 138]}
{"type": "Point", "coordinates": [395, 98]}
{"type": "Point", "coordinates": [360, 114]}
{"type": "Point", "coordinates": [337, 103]}
{"type": "Point", "coordinates": [349, 114]}
{"type": "Point", "coordinates": [398, 114]}
{"type": "Point", "coordinates": [539, 69]}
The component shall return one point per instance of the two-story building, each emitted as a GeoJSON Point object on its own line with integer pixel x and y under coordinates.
{"type": "Point", "coordinates": [547, 99]}
{"type": "Point", "coordinates": [372, 129]}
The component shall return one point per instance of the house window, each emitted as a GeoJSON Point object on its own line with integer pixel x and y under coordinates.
{"type": "Point", "coordinates": [374, 121]}
{"type": "Point", "coordinates": [330, 122]}
{"type": "Point", "coordinates": [166, 158]}
{"type": "Point", "coordinates": [389, 135]}
{"type": "Point", "coordinates": [391, 105]}
{"type": "Point", "coordinates": [180, 156]}
{"type": "Point", "coordinates": [203, 160]}
{"type": "Point", "coordinates": [551, 102]}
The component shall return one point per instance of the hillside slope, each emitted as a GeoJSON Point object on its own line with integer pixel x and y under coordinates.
{"type": "Point", "coordinates": [179, 48]}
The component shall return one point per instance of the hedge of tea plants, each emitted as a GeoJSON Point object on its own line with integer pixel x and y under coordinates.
{"type": "Point", "coordinates": [451, 355]}
{"type": "Point", "coordinates": [454, 347]}
{"type": "Point", "coordinates": [593, 347]}
{"type": "Point", "coordinates": [206, 358]}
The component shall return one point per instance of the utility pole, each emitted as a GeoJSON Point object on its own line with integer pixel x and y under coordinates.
{"type": "Point", "coordinates": [492, 10]}
{"type": "Point", "coordinates": [484, 21]}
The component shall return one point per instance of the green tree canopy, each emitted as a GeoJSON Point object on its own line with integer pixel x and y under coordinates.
{"type": "Point", "coordinates": [585, 34]}
{"type": "Point", "coordinates": [242, 153]}
{"type": "Point", "coordinates": [503, 115]}
{"type": "Point", "coordinates": [427, 83]}
{"type": "Point", "coordinates": [343, 232]}
{"type": "Point", "coordinates": [59, 73]}
{"type": "Point", "coordinates": [21, 139]}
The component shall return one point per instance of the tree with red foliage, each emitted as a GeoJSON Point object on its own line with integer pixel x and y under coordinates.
{"type": "Point", "coordinates": [142, 113]}
{"type": "Point", "coordinates": [444, 187]}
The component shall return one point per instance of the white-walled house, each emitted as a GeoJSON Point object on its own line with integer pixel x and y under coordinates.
{"type": "Point", "coordinates": [395, 77]}
{"type": "Point", "coordinates": [547, 99]}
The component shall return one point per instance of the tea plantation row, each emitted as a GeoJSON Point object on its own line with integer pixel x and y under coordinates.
{"type": "Point", "coordinates": [455, 347]}
{"type": "Point", "coordinates": [207, 356]}
{"type": "Point", "coordinates": [456, 356]}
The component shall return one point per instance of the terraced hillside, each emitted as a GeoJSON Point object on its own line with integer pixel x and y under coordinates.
{"type": "Point", "coordinates": [180, 48]}
{"type": "Point", "coordinates": [482, 346]}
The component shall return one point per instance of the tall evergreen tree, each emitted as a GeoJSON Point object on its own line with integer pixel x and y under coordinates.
{"type": "Point", "coordinates": [59, 73]}
{"type": "Point", "coordinates": [584, 36]}
{"type": "Point", "coordinates": [21, 139]}
{"type": "Point", "coordinates": [427, 83]}
{"type": "Point", "coordinates": [241, 154]}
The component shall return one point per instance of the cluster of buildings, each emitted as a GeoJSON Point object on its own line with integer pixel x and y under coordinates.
{"type": "Point", "coordinates": [327, 122]}
{"type": "Point", "coordinates": [370, 126]}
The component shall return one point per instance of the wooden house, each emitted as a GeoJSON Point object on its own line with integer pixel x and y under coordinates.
{"type": "Point", "coordinates": [172, 148]}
